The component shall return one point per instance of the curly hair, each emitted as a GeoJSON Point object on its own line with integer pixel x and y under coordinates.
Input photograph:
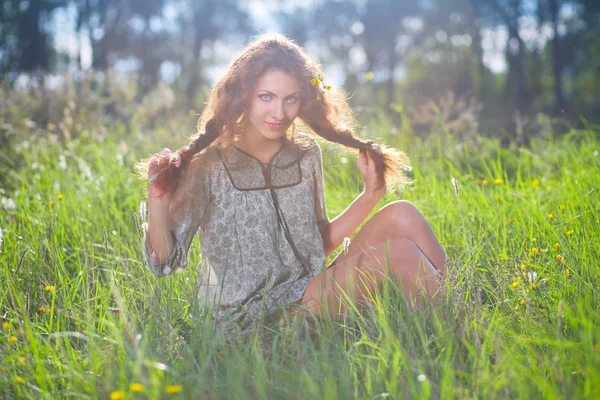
{"type": "Point", "coordinates": [328, 116]}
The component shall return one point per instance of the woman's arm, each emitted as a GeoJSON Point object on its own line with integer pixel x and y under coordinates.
{"type": "Point", "coordinates": [346, 223]}
{"type": "Point", "coordinates": [160, 239]}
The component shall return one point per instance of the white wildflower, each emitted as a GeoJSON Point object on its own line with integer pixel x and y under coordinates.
{"type": "Point", "coordinates": [346, 244]}
{"type": "Point", "coordinates": [421, 377]}
{"type": "Point", "coordinates": [455, 184]}
{"type": "Point", "coordinates": [596, 153]}
{"type": "Point", "coordinates": [143, 211]}
{"type": "Point", "coordinates": [344, 160]}
{"type": "Point", "coordinates": [532, 276]}
{"type": "Point", "coordinates": [0, 239]}
{"type": "Point", "coordinates": [62, 162]}
{"type": "Point", "coordinates": [8, 203]}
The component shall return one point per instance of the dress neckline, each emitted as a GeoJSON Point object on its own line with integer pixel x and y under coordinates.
{"type": "Point", "coordinates": [283, 142]}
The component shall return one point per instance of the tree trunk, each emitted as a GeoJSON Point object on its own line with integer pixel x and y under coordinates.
{"type": "Point", "coordinates": [557, 65]}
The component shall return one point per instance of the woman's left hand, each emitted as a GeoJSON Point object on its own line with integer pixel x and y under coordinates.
{"type": "Point", "coordinates": [366, 166]}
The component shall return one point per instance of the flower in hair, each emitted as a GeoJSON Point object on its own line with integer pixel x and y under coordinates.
{"type": "Point", "coordinates": [318, 82]}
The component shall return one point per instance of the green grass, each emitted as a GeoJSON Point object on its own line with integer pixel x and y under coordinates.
{"type": "Point", "coordinates": [108, 322]}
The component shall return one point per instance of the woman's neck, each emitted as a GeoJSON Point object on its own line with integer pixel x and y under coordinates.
{"type": "Point", "coordinates": [263, 150]}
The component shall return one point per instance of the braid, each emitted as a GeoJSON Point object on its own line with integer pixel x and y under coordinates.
{"type": "Point", "coordinates": [388, 165]}
{"type": "Point", "coordinates": [171, 175]}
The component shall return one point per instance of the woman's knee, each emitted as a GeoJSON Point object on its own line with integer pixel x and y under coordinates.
{"type": "Point", "coordinates": [405, 256]}
{"type": "Point", "coordinates": [404, 214]}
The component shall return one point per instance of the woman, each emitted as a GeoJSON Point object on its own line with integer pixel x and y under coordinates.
{"type": "Point", "coordinates": [251, 187]}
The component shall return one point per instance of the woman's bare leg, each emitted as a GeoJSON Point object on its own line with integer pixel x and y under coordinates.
{"type": "Point", "coordinates": [400, 219]}
{"type": "Point", "coordinates": [358, 276]}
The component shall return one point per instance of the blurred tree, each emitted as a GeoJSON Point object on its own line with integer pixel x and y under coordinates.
{"type": "Point", "coordinates": [507, 14]}
{"type": "Point", "coordinates": [336, 26]}
{"type": "Point", "coordinates": [26, 44]}
{"type": "Point", "coordinates": [93, 19]}
{"type": "Point", "coordinates": [383, 26]}
{"type": "Point", "coordinates": [548, 11]}
{"type": "Point", "coordinates": [9, 43]}
{"type": "Point", "coordinates": [202, 22]}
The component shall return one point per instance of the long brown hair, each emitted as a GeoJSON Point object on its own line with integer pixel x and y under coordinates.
{"type": "Point", "coordinates": [326, 114]}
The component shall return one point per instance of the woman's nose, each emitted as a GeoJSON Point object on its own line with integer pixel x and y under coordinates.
{"type": "Point", "coordinates": [278, 111]}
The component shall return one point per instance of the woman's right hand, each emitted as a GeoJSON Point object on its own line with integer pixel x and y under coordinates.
{"type": "Point", "coordinates": [159, 163]}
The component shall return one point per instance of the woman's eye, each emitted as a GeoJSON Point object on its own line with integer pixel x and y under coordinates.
{"type": "Point", "coordinates": [262, 96]}
{"type": "Point", "coordinates": [292, 99]}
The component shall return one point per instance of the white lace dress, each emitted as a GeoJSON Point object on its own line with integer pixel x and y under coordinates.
{"type": "Point", "coordinates": [259, 228]}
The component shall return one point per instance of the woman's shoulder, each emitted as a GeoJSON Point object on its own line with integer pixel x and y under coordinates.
{"type": "Point", "coordinates": [202, 160]}
{"type": "Point", "coordinates": [306, 142]}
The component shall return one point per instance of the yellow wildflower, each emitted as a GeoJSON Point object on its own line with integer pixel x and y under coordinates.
{"type": "Point", "coordinates": [329, 87]}
{"type": "Point", "coordinates": [484, 182]}
{"type": "Point", "coordinates": [515, 284]}
{"type": "Point", "coordinates": [136, 387]}
{"type": "Point", "coordinates": [550, 216]}
{"type": "Point", "coordinates": [562, 207]}
{"type": "Point", "coordinates": [523, 266]}
{"type": "Point", "coordinates": [535, 250]}
{"type": "Point", "coordinates": [315, 81]}
{"type": "Point", "coordinates": [535, 182]}
{"type": "Point", "coordinates": [22, 360]}
{"type": "Point", "coordinates": [5, 325]}
{"type": "Point", "coordinates": [116, 395]}
{"type": "Point", "coordinates": [51, 204]}
{"type": "Point", "coordinates": [498, 181]}
{"type": "Point", "coordinates": [570, 232]}
{"type": "Point", "coordinates": [522, 302]}
{"type": "Point", "coordinates": [20, 379]}
{"type": "Point", "coordinates": [524, 273]}
{"type": "Point", "coordinates": [42, 309]}
{"type": "Point", "coordinates": [60, 196]}
{"type": "Point", "coordinates": [496, 197]}
{"type": "Point", "coordinates": [49, 288]}
{"type": "Point", "coordinates": [557, 245]}
{"type": "Point", "coordinates": [568, 272]}
{"type": "Point", "coordinates": [511, 220]}
{"type": "Point", "coordinates": [534, 239]}
{"type": "Point", "coordinates": [369, 76]}
{"type": "Point", "coordinates": [12, 339]}
{"type": "Point", "coordinates": [172, 389]}
{"type": "Point", "coordinates": [559, 257]}
{"type": "Point", "coordinates": [533, 285]}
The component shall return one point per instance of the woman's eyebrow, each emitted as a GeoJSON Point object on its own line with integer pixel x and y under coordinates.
{"type": "Point", "coordinates": [274, 95]}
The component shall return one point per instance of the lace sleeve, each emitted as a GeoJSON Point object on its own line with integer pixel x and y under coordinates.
{"type": "Point", "coordinates": [186, 210]}
{"type": "Point", "coordinates": [319, 189]}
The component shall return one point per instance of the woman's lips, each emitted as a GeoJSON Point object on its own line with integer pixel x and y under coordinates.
{"type": "Point", "coordinates": [274, 126]}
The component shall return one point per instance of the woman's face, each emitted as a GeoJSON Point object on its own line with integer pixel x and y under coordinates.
{"type": "Point", "coordinates": [274, 105]}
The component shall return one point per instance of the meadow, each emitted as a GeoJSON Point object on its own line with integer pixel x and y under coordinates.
{"type": "Point", "coordinates": [82, 317]}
